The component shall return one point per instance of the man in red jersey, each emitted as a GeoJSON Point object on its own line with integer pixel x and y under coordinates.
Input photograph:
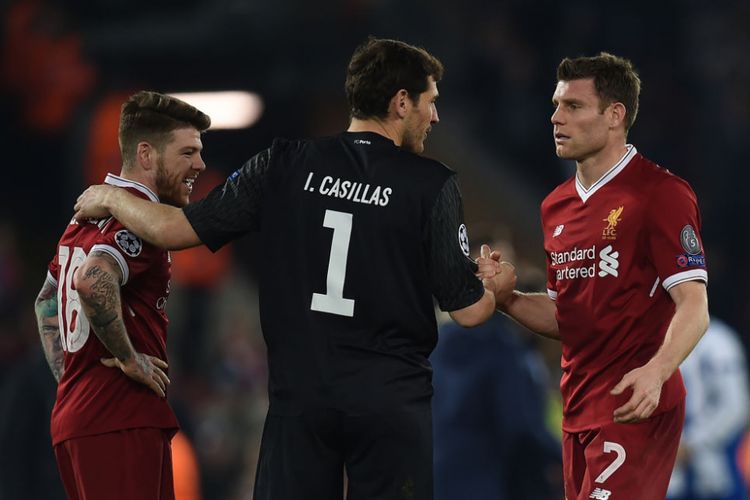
{"type": "Point", "coordinates": [111, 424]}
{"type": "Point", "coordinates": [626, 289]}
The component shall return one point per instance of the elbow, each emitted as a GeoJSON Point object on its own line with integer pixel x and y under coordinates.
{"type": "Point", "coordinates": [477, 313]}
{"type": "Point", "coordinates": [82, 284]}
{"type": "Point", "coordinates": [468, 321]}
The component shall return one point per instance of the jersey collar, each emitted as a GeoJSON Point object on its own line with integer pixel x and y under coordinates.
{"type": "Point", "coordinates": [116, 180]}
{"type": "Point", "coordinates": [585, 194]}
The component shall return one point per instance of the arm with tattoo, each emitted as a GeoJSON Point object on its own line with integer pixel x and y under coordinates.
{"type": "Point", "coordinates": [98, 284]}
{"type": "Point", "coordinates": [49, 328]}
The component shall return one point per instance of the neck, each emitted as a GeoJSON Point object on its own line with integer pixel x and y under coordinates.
{"type": "Point", "coordinates": [386, 128]}
{"type": "Point", "coordinates": [591, 169]}
{"type": "Point", "coordinates": [138, 175]}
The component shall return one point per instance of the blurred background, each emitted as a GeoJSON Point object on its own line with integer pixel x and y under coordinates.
{"type": "Point", "coordinates": [66, 66]}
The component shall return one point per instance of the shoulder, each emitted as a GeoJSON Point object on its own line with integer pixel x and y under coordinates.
{"type": "Point", "coordinates": [662, 181]}
{"type": "Point", "coordinates": [428, 168]}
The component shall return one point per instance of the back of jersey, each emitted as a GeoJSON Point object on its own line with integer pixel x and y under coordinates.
{"type": "Point", "coordinates": [346, 291]}
{"type": "Point", "coordinates": [357, 235]}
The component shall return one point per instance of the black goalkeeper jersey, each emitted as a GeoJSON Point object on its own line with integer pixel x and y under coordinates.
{"type": "Point", "coordinates": [357, 236]}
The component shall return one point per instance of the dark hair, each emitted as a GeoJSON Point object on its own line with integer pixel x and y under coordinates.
{"type": "Point", "coordinates": [379, 68]}
{"type": "Point", "coordinates": [151, 116]}
{"type": "Point", "coordinates": [615, 80]}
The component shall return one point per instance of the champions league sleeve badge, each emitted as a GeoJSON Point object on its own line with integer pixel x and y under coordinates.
{"type": "Point", "coordinates": [129, 243]}
{"type": "Point", "coordinates": [689, 240]}
{"type": "Point", "coordinates": [463, 239]}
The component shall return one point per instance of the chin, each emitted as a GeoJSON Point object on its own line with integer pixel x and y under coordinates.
{"type": "Point", "coordinates": [562, 153]}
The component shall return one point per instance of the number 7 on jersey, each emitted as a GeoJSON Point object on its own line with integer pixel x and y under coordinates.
{"type": "Point", "coordinates": [333, 300]}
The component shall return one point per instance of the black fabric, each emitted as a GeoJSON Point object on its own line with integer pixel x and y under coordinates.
{"type": "Point", "coordinates": [452, 290]}
{"type": "Point", "coordinates": [387, 456]}
{"type": "Point", "coordinates": [352, 330]}
{"type": "Point", "coordinates": [234, 208]}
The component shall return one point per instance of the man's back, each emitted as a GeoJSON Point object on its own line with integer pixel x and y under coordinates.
{"type": "Point", "coordinates": [353, 246]}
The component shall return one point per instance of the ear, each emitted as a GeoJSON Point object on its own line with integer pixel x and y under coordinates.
{"type": "Point", "coordinates": [617, 114]}
{"type": "Point", "coordinates": [145, 155]}
{"type": "Point", "coordinates": [400, 103]}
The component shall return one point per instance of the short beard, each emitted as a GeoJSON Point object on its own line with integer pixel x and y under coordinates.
{"type": "Point", "coordinates": [163, 186]}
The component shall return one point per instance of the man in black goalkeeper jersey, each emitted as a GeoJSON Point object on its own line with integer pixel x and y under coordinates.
{"type": "Point", "coordinates": [359, 234]}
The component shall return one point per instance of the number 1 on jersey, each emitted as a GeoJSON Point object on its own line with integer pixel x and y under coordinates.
{"type": "Point", "coordinates": [333, 300]}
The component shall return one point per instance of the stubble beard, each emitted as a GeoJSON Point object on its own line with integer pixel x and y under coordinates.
{"type": "Point", "coordinates": [165, 187]}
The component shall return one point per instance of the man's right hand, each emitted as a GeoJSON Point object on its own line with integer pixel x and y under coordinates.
{"type": "Point", "coordinates": [498, 276]}
{"type": "Point", "coordinates": [91, 203]}
{"type": "Point", "coordinates": [145, 369]}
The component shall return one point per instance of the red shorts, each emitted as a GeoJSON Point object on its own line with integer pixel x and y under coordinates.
{"type": "Point", "coordinates": [122, 465]}
{"type": "Point", "coordinates": [623, 461]}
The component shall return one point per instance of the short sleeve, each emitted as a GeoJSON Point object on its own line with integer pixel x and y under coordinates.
{"type": "Point", "coordinates": [132, 254]}
{"type": "Point", "coordinates": [551, 281]}
{"type": "Point", "coordinates": [232, 209]}
{"type": "Point", "coordinates": [673, 233]}
{"type": "Point", "coordinates": [454, 284]}
{"type": "Point", "coordinates": [551, 277]}
{"type": "Point", "coordinates": [53, 271]}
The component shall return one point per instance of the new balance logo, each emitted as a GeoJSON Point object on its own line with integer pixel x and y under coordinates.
{"type": "Point", "coordinates": [558, 230]}
{"type": "Point", "coordinates": [608, 264]}
{"type": "Point", "coordinates": [600, 494]}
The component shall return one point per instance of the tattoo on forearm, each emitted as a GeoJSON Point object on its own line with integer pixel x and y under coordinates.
{"type": "Point", "coordinates": [104, 310]}
{"type": "Point", "coordinates": [49, 329]}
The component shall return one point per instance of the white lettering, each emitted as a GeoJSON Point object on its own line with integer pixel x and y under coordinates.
{"type": "Point", "coordinates": [357, 192]}
{"type": "Point", "coordinates": [335, 188]}
{"type": "Point", "coordinates": [345, 188]}
{"type": "Point", "coordinates": [323, 189]}
{"type": "Point", "coordinates": [385, 199]}
{"type": "Point", "coordinates": [375, 196]}
{"type": "Point", "coordinates": [309, 178]}
{"type": "Point", "coordinates": [573, 255]}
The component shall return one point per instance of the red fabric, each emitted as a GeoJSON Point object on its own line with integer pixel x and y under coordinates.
{"type": "Point", "coordinates": [92, 398]}
{"type": "Point", "coordinates": [611, 312]}
{"type": "Point", "coordinates": [122, 465]}
{"type": "Point", "coordinates": [648, 448]}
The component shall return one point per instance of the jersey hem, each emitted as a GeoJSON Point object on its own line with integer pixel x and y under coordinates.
{"type": "Point", "coordinates": [109, 250]}
{"type": "Point", "coordinates": [599, 423]}
{"type": "Point", "coordinates": [692, 275]}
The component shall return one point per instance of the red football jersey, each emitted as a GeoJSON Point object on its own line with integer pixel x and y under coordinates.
{"type": "Point", "coordinates": [92, 398]}
{"type": "Point", "coordinates": [613, 252]}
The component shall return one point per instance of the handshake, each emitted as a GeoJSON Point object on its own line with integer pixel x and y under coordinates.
{"type": "Point", "coordinates": [498, 276]}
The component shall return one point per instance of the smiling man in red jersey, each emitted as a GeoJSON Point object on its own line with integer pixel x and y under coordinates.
{"type": "Point", "coordinates": [626, 289]}
{"type": "Point", "coordinates": [111, 424]}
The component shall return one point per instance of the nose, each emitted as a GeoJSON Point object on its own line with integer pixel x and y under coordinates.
{"type": "Point", "coordinates": [556, 117]}
{"type": "Point", "coordinates": [434, 118]}
{"type": "Point", "coordinates": [199, 164]}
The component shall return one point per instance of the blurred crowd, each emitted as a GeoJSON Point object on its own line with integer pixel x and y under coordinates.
{"type": "Point", "coordinates": [65, 66]}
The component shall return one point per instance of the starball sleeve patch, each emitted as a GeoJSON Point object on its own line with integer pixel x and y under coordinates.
{"type": "Point", "coordinates": [689, 240]}
{"type": "Point", "coordinates": [129, 243]}
{"type": "Point", "coordinates": [463, 239]}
